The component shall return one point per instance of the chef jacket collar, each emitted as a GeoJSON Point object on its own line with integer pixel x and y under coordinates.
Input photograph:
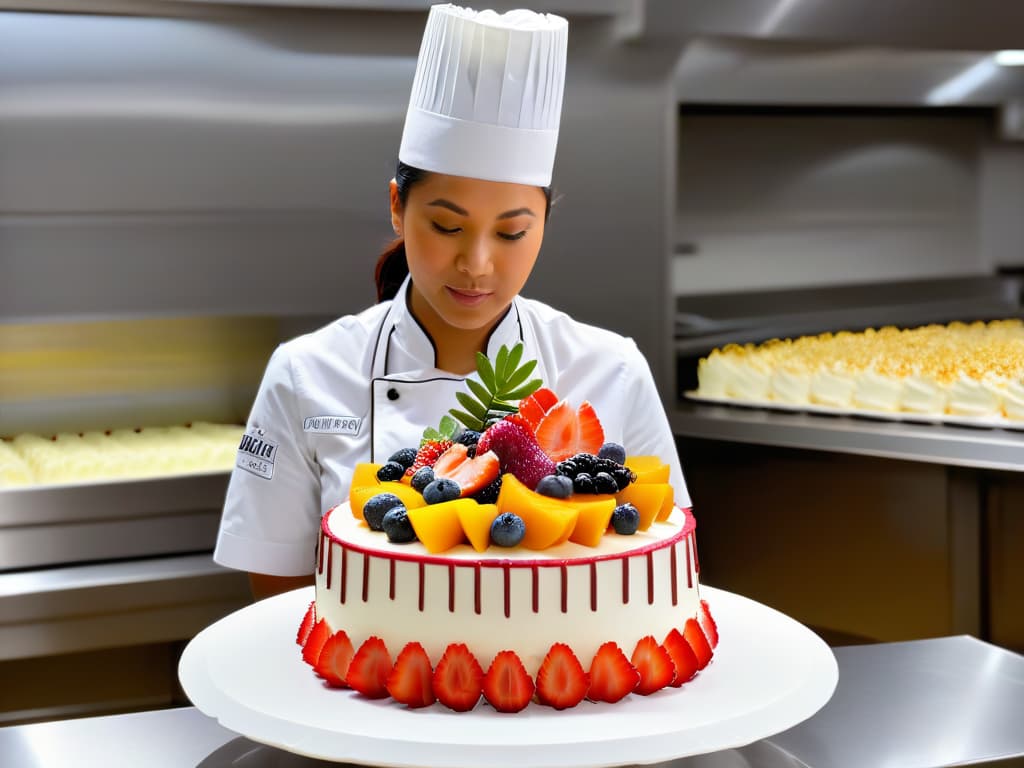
{"type": "Point", "coordinates": [409, 346]}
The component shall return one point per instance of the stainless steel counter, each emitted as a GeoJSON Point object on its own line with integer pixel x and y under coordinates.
{"type": "Point", "coordinates": [942, 702]}
{"type": "Point", "coordinates": [999, 449]}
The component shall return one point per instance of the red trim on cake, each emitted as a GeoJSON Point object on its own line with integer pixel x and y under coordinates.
{"type": "Point", "coordinates": [422, 568]}
{"type": "Point", "coordinates": [366, 577]}
{"type": "Point", "coordinates": [689, 567]}
{"type": "Point", "coordinates": [650, 578]}
{"type": "Point", "coordinates": [625, 581]}
{"type": "Point", "coordinates": [451, 588]}
{"type": "Point", "coordinates": [688, 527]}
{"type": "Point", "coordinates": [565, 588]}
{"type": "Point", "coordinates": [344, 573]}
{"type": "Point", "coordinates": [391, 579]}
{"type": "Point", "coordinates": [593, 586]}
{"type": "Point", "coordinates": [673, 567]}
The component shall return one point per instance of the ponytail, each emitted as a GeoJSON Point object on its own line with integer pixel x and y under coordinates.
{"type": "Point", "coordinates": [391, 270]}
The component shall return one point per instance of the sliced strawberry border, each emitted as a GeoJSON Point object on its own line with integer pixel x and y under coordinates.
{"type": "Point", "coordinates": [395, 553]}
{"type": "Point", "coordinates": [695, 639]}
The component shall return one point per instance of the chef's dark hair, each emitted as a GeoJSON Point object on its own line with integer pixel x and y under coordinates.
{"type": "Point", "coordinates": [392, 267]}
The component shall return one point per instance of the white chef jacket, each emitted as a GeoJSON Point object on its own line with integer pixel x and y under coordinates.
{"type": "Point", "coordinates": [366, 385]}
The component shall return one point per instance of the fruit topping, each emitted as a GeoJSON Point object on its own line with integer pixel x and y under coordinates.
{"type": "Point", "coordinates": [698, 642]}
{"type": "Point", "coordinates": [438, 526]}
{"type": "Point", "coordinates": [605, 483]}
{"type": "Point", "coordinates": [654, 664]}
{"type": "Point", "coordinates": [307, 624]}
{"type": "Point", "coordinates": [548, 521]}
{"type": "Point", "coordinates": [708, 624]}
{"type": "Point", "coordinates": [518, 452]}
{"type": "Point", "coordinates": [458, 678]}
{"type": "Point", "coordinates": [335, 657]}
{"type": "Point", "coordinates": [586, 463]}
{"type": "Point", "coordinates": [392, 470]}
{"type": "Point", "coordinates": [649, 500]}
{"type": "Point", "coordinates": [411, 680]}
{"type": "Point", "coordinates": [584, 483]}
{"type": "Point", "coordinates": [441, 490]}
{"type": "Point", "coordinates": [476, 520]}
{"type": "Point", "coordinates": [315, 642]}
{"type": "Point", "coordinates": [357, 497]}
{"type": "Point", "coordinates": [397, 526]}
{"type": "Point", "coordinates": [625, 519]}
{"type": "Point", "coordinates": [471, 473]}
{"type": "Point", "coordinates": [611, 675]}
{"type": "Point", "coordinates": [423, 477]}
{"type": "Point", "coordinates": [507, 686]}
{"type": "Point", "coordinates": [489, 493]}
{"type": "Point", "coordinates": [648, 469]}
{"type": "Point", "coordinates": [507, 530]}
{"type": "Point", "coordinates": [555, 486]}
{"type": "Point", "coordinates": [533, 408]}
{"type": "Point", "coordinates": [612, 452]}
{"type": "Point", "coordinates": [365, 474]}
{"type": "Point", "coordinates": [404, 456]}
{"type": "Point", "coordinates": [468, 438]}
{"type": "Point", "coordinates": [594, 516]}
{"type": "Point", "coordinates": [564, 432]}
{"type": "Point", "coordinates": [378, 506]}
{"type": "Point", "coordinates": [369, 669]}
{"type": "Point", "coordinates": [683, 657]}
{"type": "Point", "coordinates": [561, 680]}
{"type": "Point", "coordinates": [427, 454]}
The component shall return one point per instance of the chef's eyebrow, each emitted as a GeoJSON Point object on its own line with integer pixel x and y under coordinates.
{"type": "Point", "coordinates": [443, 203]}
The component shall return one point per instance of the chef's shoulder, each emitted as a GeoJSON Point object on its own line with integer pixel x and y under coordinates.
{"type": "Point", "coordinates": [341, 345]}
{"type": "Point", "coordinates": [571, 343]}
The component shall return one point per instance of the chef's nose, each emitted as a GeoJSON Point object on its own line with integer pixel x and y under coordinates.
{"type": "Point", "coordinates": [474, 258]}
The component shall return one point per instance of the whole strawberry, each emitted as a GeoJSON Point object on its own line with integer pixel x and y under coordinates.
{"type": "Point", "coordinates": [518, 451]}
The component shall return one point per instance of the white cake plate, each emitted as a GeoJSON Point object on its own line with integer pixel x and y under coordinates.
{"type": "Point", "coordinates": [768, 674]}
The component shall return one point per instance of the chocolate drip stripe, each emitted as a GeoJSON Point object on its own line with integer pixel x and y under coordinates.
{"type": "Point", "coordinates": [366, 578]}
{"type": "Point", "coordinates": [330, 563]}
{"type": "Point", "coordinates": [391, 579]}
{"type": "Point", "coordinates": [625, 580]}
{"type": "Point", "coordinates": [650, 578]}
{"type": "Point", "coordinates": [593, 586]}
{"type": "Point", "coordinates": [344, 573]}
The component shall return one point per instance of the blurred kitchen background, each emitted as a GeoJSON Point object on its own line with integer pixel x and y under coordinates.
{"type": "Point", "coordinates": [185, 184]}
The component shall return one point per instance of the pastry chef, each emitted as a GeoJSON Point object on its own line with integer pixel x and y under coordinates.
{"type": "Point", "coordinates": [469, 205]}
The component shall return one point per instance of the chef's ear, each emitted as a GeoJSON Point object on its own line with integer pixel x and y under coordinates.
{"type": "Point", "coordinates": [396, 208]}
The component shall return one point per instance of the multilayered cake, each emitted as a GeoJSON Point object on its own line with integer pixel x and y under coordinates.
{"type": "Point", "coordinates": [516, 558]}
{"type": "Point", "coordinates": [973, 370]}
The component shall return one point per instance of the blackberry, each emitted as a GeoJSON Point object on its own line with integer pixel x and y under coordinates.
{"type": "Point", "coordinates": [421, 478]}
{"type": "Point", "coordinates": [583, 483]}
{"type": "Point", "coordinates": [489, 493]}
{"type": "Point", "coordinates": [567, 468]}
{"type": "Point", "coordinates": [625, 519]}
{"type": "Point", "coordinates": [555, 486]}
{"type": "Point", "coordinates": [469, 437]}
{"type": "Point", "coordinates": [405, 457]}
{"type": "Point", "coordinates": [587, 462]}
{"type": "Point", "coordinates": [392, 470]}
{"type": "Point", "coordinates": [471, 452]}
{"type": "Point", "coordinates": [605, 483]}
{"type": "Point", "coordinates": [397, 526]}
{"type": "Point", "coordinates": [623, 476]}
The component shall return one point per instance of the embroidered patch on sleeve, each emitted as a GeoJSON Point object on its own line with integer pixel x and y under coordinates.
{"type": "Point", "coordinates": [256, 453]}
{"type": "Point", "coordinates": [332, 425]}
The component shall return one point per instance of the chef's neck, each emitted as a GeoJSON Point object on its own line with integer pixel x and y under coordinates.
{"type": "Point", "coordinates": [455, 348]}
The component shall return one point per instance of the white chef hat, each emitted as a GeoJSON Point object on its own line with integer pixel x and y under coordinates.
{"type": "Point", "coordinates": [487, 96]}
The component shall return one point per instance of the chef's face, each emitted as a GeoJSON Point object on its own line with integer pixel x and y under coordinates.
{"type": "Point", "coordinates": [470, 245]}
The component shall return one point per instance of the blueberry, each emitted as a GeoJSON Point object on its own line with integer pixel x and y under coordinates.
{"type": "Point", "coordinates": [613, 451]}
{"type": "Point", "coordinates": [625, 519]}
{"type": "Point", "coordinates": [421, 478]}
{"type": "Point", "coordinates": [377, 506]}
{"type": "Point", "coordinates": [441, 490]}
{"type": "Point", "coordinates": [398, 527]}
{"type": "Point", "coordinates": [507, 530]}
{"type": "Point", "coordinates": [469, 437]}
{"type": "Point", "coordinates": [489, 494]}
{"type": "Point", "coordinates": [605, 483]}
{"type": "Point", "coordinates": [405, 457]}
{"type": "Point", "coordinates": [583, 483]}
{"type": "Point", "coordinates": [555, 486]}
{"type": "Point", "coordinates": [392, 470]}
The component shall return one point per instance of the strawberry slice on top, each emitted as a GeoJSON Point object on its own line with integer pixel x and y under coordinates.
{"type": "Point", "coordinates": [563, 432]}
{"type": "Point", "coordinates": [533, 408]}
{"type": "Point", "coordinates": [471, 474]}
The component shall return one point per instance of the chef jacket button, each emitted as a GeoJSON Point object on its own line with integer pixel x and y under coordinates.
{"type": "Point", "coordinates": [392, 394]}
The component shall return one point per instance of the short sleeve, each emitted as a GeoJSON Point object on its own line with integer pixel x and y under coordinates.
{"type": "Point", "coordinates": [647, 431]}
{"type": "Point", "coordinates": [271, 512]}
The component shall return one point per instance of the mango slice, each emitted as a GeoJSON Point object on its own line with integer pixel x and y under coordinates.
{"type": "Point", "coordinates": [438, 526]}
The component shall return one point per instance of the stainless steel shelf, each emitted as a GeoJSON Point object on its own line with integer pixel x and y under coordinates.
{"type": "Point", "coordinates": [953, 446]}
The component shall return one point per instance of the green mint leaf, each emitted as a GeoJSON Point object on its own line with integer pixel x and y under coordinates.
{"type": "Point", "coordinates": [501, 364]}
{"type": "Point", "coordinates": [475, 407]}
{"type": "Point", "coordinates": [470, 422]}
{"type": "Point", "coordinates": [486, 372]}
{"type": "Point", "coordinates": [526, 390]}
{"type": "Point", "coordinates": [516, 379]}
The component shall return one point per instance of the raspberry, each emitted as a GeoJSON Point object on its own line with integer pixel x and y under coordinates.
{"type": "Point", "coordinates": [428, 453]}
